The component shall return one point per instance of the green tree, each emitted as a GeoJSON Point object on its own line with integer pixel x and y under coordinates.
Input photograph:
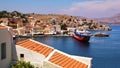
{"type": "Point", "coordinates": [22, 64]}
{"type": "Point", "coordinates": [16, 13]}
{"type": "Point", "coordinates": [63, 26]}
{"type": "Point", "coordinates": [3, 14]}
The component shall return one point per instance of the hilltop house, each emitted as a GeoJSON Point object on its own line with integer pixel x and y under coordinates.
{"type": "Point", "coordinates": [15, 22]}
{"type": "Point", "coordinates": [58, 28]}
{"type": "Point", "coordinates": [4, 21]}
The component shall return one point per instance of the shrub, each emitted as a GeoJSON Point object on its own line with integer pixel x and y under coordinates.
{"type": "Point", "coordinates": [22, 64]}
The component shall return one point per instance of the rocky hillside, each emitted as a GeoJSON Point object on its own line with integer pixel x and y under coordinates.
{"type": "Point", "coordinates": [70, 21]}
{"type": "Point", "coordinates": [114, 20]}
{"type": "Point", "coordinates": [43, 20]}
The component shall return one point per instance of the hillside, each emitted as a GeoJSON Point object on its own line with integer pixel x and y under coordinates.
{"type": "Point", "coordinates": [114, 20]}
{"type": "Point", "coordinates": [45, 20]}
{"type": "Point", "coordinates": [71, 21]}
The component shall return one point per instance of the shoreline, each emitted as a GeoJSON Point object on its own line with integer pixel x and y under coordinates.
{"type": "Point", "coordinates": [19, 38]}
{"type": "Point", "coordinates": [39, 36]}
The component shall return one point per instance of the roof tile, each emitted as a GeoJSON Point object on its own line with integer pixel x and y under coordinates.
{"type": "Point", "coordinates": [1, 26]}
{"type": "Point", "coordinates": [66, 62]}
{"type": "Point", "coordinates": [34, 46]}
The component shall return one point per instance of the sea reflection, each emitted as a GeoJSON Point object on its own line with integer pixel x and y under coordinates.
{"type": "Point", "coordinates": [82, 44]}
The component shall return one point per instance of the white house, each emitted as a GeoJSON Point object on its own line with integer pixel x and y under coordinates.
{"type": "Point", "coordinates": [30, 50]}
{"type": "Point", "coordinates": [44, 56]}
{"type": "Point", "coordinates": [5, 46]}
{"type": "Point", "coordinates": [70, 30]}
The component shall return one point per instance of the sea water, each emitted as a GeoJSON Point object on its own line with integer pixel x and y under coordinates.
{"type": "Point", "coordinates": [105, 51]}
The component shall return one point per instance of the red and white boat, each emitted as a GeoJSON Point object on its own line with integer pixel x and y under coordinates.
{"type": "Point", "coordinates": [82, 35]}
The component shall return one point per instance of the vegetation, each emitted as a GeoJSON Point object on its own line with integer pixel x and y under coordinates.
{"type": "Point", "coordinates": [5, 14]}
{"type": "Point", "coordinates": [63, 26]}
{"type": "Point", "coordinates": [22, 64]}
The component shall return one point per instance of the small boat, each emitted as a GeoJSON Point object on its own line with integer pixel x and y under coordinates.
{"type": "Point", "coordinates": [82, 35]}
{"type": "Point", "coordinates": [99, 34]}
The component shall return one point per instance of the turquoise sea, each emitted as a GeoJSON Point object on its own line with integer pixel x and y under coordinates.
{"type": "Point", "coordinates": [105, 51]}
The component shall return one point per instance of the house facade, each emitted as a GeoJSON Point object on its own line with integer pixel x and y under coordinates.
{"type": "Point", "coordinates": [5, 46]}
{"type": "Point", "coordinates": [30, 50]}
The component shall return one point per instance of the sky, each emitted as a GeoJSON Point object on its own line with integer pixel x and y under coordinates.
{"type": "Point", "coordinates": [85, 8]}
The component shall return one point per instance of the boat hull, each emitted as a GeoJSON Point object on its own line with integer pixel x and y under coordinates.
{"type": "Point", "coordinates": [81, 38]}
{"type": "Point", "coordinates": [101, 35]}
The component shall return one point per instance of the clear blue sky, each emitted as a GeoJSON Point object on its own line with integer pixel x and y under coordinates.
{"type": "Point", "coordinates": [87, 8]}
{"type": "Point", "coordinates": [35, 5]}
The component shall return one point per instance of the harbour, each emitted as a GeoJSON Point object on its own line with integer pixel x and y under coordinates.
{"type": "Point", "coordinates": [103, 50]}
{"type": "Point", "coordinates": [55, 34]}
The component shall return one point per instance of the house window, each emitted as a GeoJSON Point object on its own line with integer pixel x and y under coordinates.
{"type": "Point", "coordinates": [3, 51]}
{"type": "Point", "coordinates": [21, 55]}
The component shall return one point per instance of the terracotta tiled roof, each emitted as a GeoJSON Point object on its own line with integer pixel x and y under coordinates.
{"type": "Point", "coordinates": [66, 62]}
{"type": "Point", "coordinates": [34, 46]}
{"type": "Point", "coordinates": [1, 26]}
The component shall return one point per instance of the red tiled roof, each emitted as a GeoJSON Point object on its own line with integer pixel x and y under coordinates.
{"type": "Point", "coordinates": [66, 62]}
{"type": "Point", "coordinates": [34, 46]}
{"type": "Point", "coordinates": [1, 26]}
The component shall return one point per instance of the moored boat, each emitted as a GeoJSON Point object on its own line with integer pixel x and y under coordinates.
{"type": "Point", "coordinates": [99, 34]}
{"type": "Point", "coordinates": [82, 35]}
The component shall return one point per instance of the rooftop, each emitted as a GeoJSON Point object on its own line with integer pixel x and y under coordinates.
{"type": "Point", "coordinates": [1, 26]}
{"type": "Point", "coordinates": [55, 56]}
{"type": "Point", "coordinates": [35, 46]}
{"type": "Point", "coordinates": [65, 61]}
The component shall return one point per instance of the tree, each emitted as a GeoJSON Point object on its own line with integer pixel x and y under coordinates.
{"type": "Point", "coordinates": [16, 13]}
{"type": "Point", "coordinates": [22, 64]}
{"type": "Point", "coordinates": [63, 26]}
{"type": "Point", "coordinates": [3, 14]}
